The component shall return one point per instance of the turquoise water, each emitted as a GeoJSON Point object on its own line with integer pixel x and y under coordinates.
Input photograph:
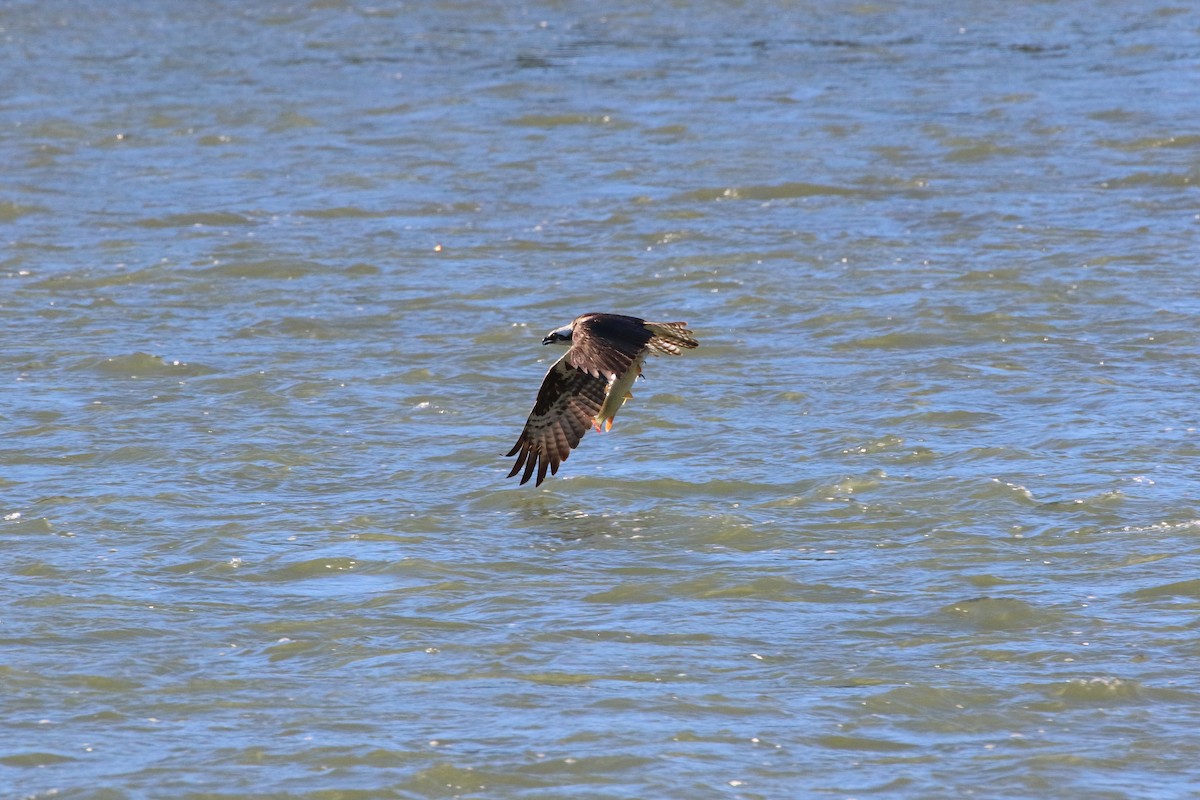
{"type": "Point", "coordinates": [916, 520]}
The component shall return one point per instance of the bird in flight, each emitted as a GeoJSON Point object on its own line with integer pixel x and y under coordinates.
{"type": "Point", "coordinates": [586, 387]}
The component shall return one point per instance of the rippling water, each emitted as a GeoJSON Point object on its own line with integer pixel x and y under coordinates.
{"type": "Point", "coordinates": [917, 520]}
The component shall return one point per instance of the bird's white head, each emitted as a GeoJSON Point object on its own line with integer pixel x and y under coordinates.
{"type": "Point", "coordinates": [559, 336]}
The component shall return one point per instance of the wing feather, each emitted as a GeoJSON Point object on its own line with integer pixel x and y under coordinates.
{"type": "Point", "coordinates": [607, 344]}
{"type": "Point", "coordinates": [668, 337]}
{"type": "Point", "coordinates": [565, 405]}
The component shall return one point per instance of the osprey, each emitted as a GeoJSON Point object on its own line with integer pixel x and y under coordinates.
{"type": "Point", "coordinates": [589, 383]}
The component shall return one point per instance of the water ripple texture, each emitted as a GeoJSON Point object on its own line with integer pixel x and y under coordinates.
{"type": "Point", "coordinates": [918, 519]}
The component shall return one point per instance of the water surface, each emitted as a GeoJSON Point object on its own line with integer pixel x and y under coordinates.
{"type": "Point", "coordinates": [917, 520]}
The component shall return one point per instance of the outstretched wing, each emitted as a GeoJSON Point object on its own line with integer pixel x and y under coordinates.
{"type": "Point", "coordinates": [565, 405]}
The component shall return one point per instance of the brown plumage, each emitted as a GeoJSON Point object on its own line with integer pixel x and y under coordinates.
{"type": "Point", "coordinates": [586, 387]}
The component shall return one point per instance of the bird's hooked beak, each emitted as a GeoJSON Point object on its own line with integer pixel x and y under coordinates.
{"type": "Point", "coordinates": [562, 334]}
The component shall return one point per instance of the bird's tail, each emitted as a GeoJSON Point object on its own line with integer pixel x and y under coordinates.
{"type": "Point", "coordinates": [670, 338]}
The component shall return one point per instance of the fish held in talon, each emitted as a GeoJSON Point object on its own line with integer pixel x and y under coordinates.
{"type": "Point", "coordinates": [589, 384]}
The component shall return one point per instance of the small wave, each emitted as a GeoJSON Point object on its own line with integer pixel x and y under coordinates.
{"type": "Point", "coordinates": [779, 191]}
{"type": "Point", "coordinates": [10, 210]}
{"type": "Point", "coordinates": [996, 613]}
{"type": "Point", "coordinates": [1163, 180]}
{"type": "Point", "coordinates": [285, 268]}
{"type": "Point", "coordinates": [213, 219]}
{"type": "Point", "coordinates": [1088, 691]}
{"type": "Point", "coordinates": [137, 365]}
{"type": "Point", "coordinates": [1188, 588]}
